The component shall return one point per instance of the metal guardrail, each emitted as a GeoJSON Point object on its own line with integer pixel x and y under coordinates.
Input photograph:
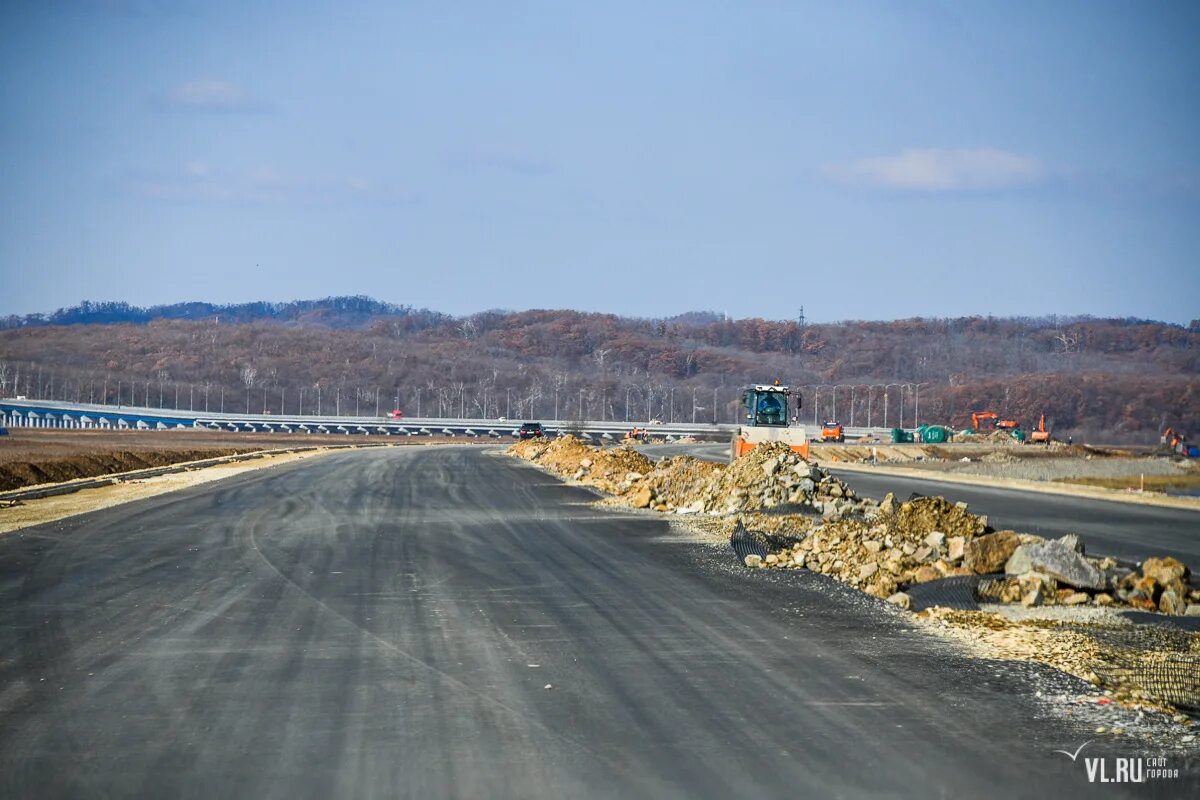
{"type": "Point", "coordinates": [59, 414]}
{"type": "Point", "coordinates": [46, 413]}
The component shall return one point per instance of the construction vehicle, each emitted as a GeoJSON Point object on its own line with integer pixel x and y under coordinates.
{"type": "Point", "coordinates": [982, 421]}
{"type": "Point", "coordinates": [1041, 435]}
{"type": "Point", "coordinates": [768, 408]}
{"type": "Point", "coordinates": [1175, 442]}
{"type": "Point", "coordinates": [833, 432]}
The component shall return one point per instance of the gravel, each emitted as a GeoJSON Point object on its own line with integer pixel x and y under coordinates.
{"type": "Point", "coordinates": [1049, 469]}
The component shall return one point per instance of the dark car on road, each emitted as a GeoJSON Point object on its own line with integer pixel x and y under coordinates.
{"type": "Point", "coordinates": [531, 430]}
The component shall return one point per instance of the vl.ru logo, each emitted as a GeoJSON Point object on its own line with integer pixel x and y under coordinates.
{"type": "Point", "coordinates": [1121, 769]}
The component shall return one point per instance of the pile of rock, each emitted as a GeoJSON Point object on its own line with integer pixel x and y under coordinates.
{"type": "Point", "coordinates": [1058, 572]}
{"type": "Point", "coordinates": [770, 476]}
{"type": "Point", "coordinates": [900, 545]}
{"type": "Point", "coordinates": [929, 538]}
{"type": "Point", "coordinates": [1162, 585]}
{"type": "Point", "coordinates": [612, 470]}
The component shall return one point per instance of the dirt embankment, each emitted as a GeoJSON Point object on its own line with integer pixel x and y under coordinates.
{"type": "Point", "coordinates": [25, 513]}
{"type": "Point", "coordinates": [18, 474]}
{"type": "Point", "coordinates": [29, 457]}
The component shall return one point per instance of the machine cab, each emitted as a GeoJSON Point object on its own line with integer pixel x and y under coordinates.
{"type": "Point", "coordinates": [768, 405]}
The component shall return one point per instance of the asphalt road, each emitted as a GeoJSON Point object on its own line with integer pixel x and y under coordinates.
{"type": "Point", "coordinates": [445, 622]}
{"type": "Point", "coordinates": [1123, 530]}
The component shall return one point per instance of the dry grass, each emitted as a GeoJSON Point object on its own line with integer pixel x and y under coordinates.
{"type": "Point", "coordinates": [1153, 483]}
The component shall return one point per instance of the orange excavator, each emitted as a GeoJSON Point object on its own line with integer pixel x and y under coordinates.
{"type": "Point", "coordinates": [983, 420]}
{"type": "Point", "coordinates": [1041, 435]}
{"type": "Point", "coordinates": [1174, 441]}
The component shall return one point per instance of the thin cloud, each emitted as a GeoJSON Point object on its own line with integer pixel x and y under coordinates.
{"type": "Point", "coordinates": [208, 95]}
{"type": "Point", "coordinates": [200, 182]}
{"type": "Point", "coordinates": [942, 170]}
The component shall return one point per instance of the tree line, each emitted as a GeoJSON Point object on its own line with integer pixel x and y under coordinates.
{"type": "Point", "coordinates": [1119, 378]}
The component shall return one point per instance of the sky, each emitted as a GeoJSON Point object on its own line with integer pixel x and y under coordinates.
{"type": "Point", "coordinates": [865, 160]}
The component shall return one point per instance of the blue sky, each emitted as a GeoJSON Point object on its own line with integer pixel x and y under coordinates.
{"type": "Point", "coordinates": [868, 160]}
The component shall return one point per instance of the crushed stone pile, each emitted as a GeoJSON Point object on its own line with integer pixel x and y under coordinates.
{"type": "Point", "coordinates": [929, 538]}
{"type": "Point", "coordinates": [770, 476]}
{"type": "Point", "coordinates": [903, 544]}
{"type": "Point", "coordinates": [612, 470]}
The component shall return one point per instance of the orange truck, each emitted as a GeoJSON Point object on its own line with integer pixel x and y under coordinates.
{"type": "Point", "coordinates": [833, 432]}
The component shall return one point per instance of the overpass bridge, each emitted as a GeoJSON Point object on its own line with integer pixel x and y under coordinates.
{"type": "Point", "coordinates": [20, 412]}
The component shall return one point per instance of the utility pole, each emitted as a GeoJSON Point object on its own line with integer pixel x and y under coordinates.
{"type": "Point", "coordinates": [693, 405]}
{"type": "Point", "coordinates": [714, 405]}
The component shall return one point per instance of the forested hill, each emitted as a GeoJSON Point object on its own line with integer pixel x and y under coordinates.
{"type": "Point", "coordinates": [1121, 379]}
{"type": "Point", "coordinates": [331, 312]}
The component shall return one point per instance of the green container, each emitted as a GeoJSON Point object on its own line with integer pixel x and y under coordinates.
{"type": "Point", "coordinates": [935, 434]}
{"type": "Point", "coordinates": [901, 436]}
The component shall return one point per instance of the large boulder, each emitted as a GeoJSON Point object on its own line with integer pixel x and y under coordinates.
{"type": "Point", "coordinates": [1165, 570]}
{"type": "Point", "coordinates": [984, 555]}
{"type": "Point", "coordinates": [642, 498]}
{"type": "Point", "coordinates": [1058, 561]}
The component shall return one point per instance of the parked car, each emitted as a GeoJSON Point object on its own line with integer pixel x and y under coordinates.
{"type": "Point", "coordinates": [531, 430]}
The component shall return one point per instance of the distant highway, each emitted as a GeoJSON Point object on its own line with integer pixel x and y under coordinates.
{"type": "Point", "coordinates": [1122, 530]}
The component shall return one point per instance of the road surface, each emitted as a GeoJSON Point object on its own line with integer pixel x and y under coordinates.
{"type": "Point", "coordinates": [1123, 530]}
{"type": "Point", "coordinates": [448, 622]}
